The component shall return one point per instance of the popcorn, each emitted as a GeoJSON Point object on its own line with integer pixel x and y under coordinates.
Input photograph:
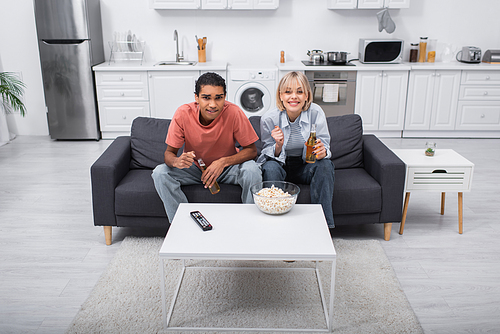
{"type": "Point", "coordinates": [276, 201]}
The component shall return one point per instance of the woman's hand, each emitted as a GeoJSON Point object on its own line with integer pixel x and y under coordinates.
{"type": "Point", "coordinates": [319, 149]}
{"type": "Point", "coordinates": [278, 137]}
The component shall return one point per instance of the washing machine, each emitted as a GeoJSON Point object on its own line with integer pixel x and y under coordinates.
{"type": "Point", "coordinates": [253, 89]}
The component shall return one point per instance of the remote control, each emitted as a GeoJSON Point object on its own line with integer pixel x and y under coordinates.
{"type": "Point", "coordinates": [201, 220]}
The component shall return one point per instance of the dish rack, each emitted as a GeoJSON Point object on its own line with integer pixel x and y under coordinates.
{"type": "Point", "coordinates": [126, 50]}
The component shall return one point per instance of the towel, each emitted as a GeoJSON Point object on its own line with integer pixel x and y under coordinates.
{"type": "Point", "coordinates": [331, 93]}
{"type": "Point", "coordinates": [385, 21]}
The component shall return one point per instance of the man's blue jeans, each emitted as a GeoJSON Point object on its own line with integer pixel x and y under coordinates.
{"type": "Point", "coordinates": [168, 182]}
{"type": "Point", "coordinates": [319, 175]}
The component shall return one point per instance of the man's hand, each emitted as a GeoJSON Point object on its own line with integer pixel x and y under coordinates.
{"type": "Point", "coordinates": [185, 160]}
{"type": "Point", "coordinates": [212, 172]}
{"type": "Point", "coordinates": [279, 138]}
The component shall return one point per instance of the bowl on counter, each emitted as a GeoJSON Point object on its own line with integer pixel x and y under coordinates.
{"type": "Point", "coordinates": [275, 197]}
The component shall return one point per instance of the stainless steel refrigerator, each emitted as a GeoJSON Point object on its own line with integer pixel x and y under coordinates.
{"type": "Point", "coordinates": [70, 43]}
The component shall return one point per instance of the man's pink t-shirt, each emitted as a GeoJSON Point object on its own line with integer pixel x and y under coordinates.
{"type": "Point", "coordinates": [215, 140]}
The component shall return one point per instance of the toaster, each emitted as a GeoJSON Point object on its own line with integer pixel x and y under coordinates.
{"type": "Point", "coordinates": [469, 54]}
{"type": "Point", "coordinates": [492, 57]}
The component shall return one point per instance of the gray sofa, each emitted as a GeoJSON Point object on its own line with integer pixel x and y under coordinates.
{"type": "Point", "coordinates": [369, 178]}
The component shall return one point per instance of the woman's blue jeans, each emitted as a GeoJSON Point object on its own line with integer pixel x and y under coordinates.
{"type": "Point", "coordinates": [319, 175]}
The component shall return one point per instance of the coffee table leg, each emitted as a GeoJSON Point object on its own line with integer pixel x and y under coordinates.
{"type": "Point", "coordinates": [163, 301]}
{"type": "Point", "coordinates": [332, 295]}
{"type": "Point", "coordinates": [460, 213]}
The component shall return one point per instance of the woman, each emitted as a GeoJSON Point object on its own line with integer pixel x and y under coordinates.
{"type": "Point", "coordinates": [284, 131]}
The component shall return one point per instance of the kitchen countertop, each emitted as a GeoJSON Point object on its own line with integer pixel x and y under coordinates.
{"type": "Point", "coordinates": [149, 66]}
{"type": "Point", "coordinates": [299, 66]}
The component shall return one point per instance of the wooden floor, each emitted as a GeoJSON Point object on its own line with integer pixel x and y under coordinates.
{"type": "Point", "coordinates": [51, 255]}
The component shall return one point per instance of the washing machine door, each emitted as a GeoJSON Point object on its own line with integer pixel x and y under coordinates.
{"type": "Point", "coordinates": [253, 98]}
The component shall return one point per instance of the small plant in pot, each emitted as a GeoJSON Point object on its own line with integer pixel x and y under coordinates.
{"type": "Point", "coordinates": [11, 92]}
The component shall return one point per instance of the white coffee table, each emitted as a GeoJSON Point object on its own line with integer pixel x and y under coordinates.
{"type": "Point", "coordinates": [444, 172]}
{"type": "Point", "coordinates": [243, 232]}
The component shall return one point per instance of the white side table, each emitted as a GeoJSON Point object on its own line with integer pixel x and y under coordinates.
{"type": "Point", "coordinates": [445, 171]}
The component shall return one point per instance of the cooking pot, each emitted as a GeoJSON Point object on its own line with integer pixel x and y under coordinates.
{"type": "Point", "coordinates": [338, 57]}
{"type": "Point", "coordinates": [316, 56]}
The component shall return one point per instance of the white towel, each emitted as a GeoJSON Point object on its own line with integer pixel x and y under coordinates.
{"type": "Point", "coordinates": [331, 93]}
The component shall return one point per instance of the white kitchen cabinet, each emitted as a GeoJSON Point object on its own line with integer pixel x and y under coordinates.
{"type": "Point", "coordinates": [381, 99]}
{"type": "Point", "coordinates": [121, 97]}
{"type": "Point", "coordinates": [214, 4]}
{"type": "Point", "coordinates": [432, 100]}
{"type": "Point", "coordinates": [342, 4]}
{"type": "Point", "coordinates": [169, 90]}
{"type": "Point", "coordinates": [367, 4]}
{"type": "Point", "coordinates": [175, 4]}
{"type": "Point", "coordinates": [397, 3]}
{"type": "Point", "coordinates": [253, 4]}
{"type": "Point", "coordinates": [479, 101]}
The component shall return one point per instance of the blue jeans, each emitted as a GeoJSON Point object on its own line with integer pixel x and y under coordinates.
{"type": "Point", "coordinates": [319, 175]}
{"type": "Point", "coordinates": [168, 182]}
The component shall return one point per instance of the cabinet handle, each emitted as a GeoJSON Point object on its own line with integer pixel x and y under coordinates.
{"type": "Point", "coordinates": [122, 94]}
{"type": "Point", "coordinates": [439, 74]}
{"type": "Point", "coordinates": [150, 75]}
{"type": "Point", "coordinates": [487, 77]}
{"type": "Point", "coordinates": [485, 93]}
{"type": "Point", "coordinates": [380, 74]}
{"type": "Point", "coordinates": [482, 116]}
{"type": "Point", "coordinates": [433, 74]}
{"type": "Point", "coordinates": [124, 117]}
{"type": "Point", "coordinates": [121, 78]}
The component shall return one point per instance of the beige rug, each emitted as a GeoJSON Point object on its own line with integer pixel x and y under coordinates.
{"type": "Point", "coordinates": [127, 298]}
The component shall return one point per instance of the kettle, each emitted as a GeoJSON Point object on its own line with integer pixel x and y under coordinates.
{"type": "Point", "coordinates": [316, 56]}
{"type": "Point", "coordinates": [469, 54]}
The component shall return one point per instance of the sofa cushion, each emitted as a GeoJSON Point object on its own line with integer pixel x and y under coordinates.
{"type": "Point", "coordinates": [355, 192]}
{"type": "Point", "coordinates": [346, 142]}
{"type": "Point", "coordinates": [136, 195]}
{"type": "Point", "coordinates": [148, 142]}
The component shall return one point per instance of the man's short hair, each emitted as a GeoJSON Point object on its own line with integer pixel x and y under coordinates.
{"type": "Point", "coordinates": [209, 79]}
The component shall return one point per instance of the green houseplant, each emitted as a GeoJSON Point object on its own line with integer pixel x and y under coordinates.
{"type": "Point", "coordinates": [11, 91]}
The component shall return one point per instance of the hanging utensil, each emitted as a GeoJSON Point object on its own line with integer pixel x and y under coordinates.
{"type": "Point", "coordinates": [204, 42]}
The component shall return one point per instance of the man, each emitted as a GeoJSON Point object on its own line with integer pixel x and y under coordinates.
{"type": "Point", "coordinates": [209, 129]}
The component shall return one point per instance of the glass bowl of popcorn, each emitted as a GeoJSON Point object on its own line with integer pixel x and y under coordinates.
{"type": "Point", "coordinates": [275, 197]}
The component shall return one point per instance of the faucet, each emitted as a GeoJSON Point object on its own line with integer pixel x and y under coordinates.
{"type": "Point", "coordinates": [178, 57]}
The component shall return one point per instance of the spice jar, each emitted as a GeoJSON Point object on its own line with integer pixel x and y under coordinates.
{"type": "Point", "coordinates": [423, 49]}
{"type": "Point", "coordinates": [414, 53]}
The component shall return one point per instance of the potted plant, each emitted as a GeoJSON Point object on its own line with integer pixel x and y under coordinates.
{"type": "Point", "coordinates": [11, 91]}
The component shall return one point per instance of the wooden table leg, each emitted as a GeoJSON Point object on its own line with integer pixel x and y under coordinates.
{"type": "Point", "coordinates": [460, 213]}
{"type": "Point", "coordinates": [405, 209]}
{"type": "Point", "coordinates": [442, 202]}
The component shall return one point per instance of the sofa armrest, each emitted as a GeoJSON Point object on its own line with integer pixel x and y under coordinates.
{"type": "Point", "coordinates": [389, 171]}
{"type": "Point", "coordinates": [105, 174]}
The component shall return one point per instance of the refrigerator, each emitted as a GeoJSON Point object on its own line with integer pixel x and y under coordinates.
{"type": "Point", "coordinates": [70, 43]}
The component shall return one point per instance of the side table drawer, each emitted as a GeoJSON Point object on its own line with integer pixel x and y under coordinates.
{"type": "Point", "coordinates": [439, 179]}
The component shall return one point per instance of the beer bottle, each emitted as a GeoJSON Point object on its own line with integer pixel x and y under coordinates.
{"type": "Point", "coordinates": [311, 141]}
{"type": "Point", "coordinates": [214, 189]}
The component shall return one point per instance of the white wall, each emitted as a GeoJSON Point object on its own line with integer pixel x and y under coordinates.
{"type": "Point", "coordinates": [240, 37]}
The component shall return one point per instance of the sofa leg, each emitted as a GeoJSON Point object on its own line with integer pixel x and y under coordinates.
{"type": "Point", "coordinates": [107, 234]}
{"type": "Point", "coordinates": [387, 231]}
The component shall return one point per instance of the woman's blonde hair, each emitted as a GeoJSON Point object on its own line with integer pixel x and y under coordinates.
{"type": "Point", "coordinates": [294, 79]}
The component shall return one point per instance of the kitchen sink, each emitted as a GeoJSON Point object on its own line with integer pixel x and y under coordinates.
{"type": "Point", "coordinates": [169, 63]}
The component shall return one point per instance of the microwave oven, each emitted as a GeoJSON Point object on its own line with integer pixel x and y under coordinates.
{"type": "Point", "coordinates": [380, 51]}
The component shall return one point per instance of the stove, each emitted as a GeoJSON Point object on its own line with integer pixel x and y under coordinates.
{"type": "Point", "coordinates": [326, 63]}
